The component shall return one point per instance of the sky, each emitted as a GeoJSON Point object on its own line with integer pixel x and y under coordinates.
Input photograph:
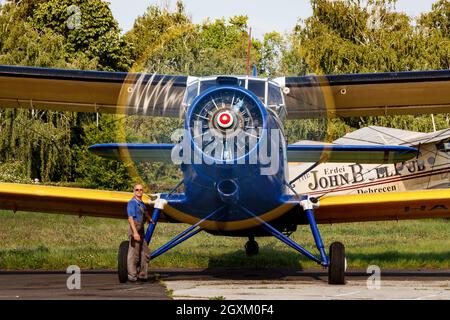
{"type": "Point", "coordinates": [264, 15]}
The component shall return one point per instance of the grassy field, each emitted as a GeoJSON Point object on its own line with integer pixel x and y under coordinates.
{"type": "Point", "coordinates": [30, 241]}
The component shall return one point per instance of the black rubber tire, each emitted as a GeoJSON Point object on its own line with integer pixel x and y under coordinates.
{"type": "Point", "coordinates": [336, 269]}
{"type": "Point", "coordinates": [251, 248]}
{"type": "Point", "coordinates": [122, 265]}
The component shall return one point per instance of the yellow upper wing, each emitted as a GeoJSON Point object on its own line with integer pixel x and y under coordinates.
{"type": "Point", "coordinates": [372, 94]}
{"type": "Point", "coordinates": [162, 95]}
{"type": "Point", "coordinates": [82, 202]}
{"type": "Point", "coordinates": [91, 91]}
{"type": "Point", "coordinates": [385, 206]}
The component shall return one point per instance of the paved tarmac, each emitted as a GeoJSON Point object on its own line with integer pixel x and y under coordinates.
{"type": "Point", "coordinates": [229, 284]}
{"type": "Point", "coordinates": [305, 290]}
{"type": "Point", "coordinates": [282, 284]}
{"type": "Point", "coordinates": [93, 285]}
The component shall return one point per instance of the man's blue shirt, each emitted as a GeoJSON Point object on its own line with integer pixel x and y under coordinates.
{"type": "Point", "coordinates": [136, 209]}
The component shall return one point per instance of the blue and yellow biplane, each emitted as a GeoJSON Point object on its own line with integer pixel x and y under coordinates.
{"type": "Point", "coordinates": [233, 151]}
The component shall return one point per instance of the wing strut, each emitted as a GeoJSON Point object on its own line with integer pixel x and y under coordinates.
{"type": "Point", "coordinates": [322, 159]}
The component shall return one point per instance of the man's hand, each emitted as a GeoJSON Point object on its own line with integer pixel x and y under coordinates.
{"type": "Point", "coordinates": [137, 237]}
{"type": "Point", "coordinates": [150, 220]}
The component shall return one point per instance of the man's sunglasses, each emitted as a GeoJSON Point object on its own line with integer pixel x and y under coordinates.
{"type": "Point", "coordinates": [138, 189]}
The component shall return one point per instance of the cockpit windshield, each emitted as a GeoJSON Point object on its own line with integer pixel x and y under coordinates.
{"type": "Point", "coordinates": [268, 92]}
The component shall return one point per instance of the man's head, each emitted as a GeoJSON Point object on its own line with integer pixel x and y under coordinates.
{"type": "Point", "coordinates": [138, 190]}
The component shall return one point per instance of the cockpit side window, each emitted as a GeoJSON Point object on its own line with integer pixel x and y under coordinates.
{"type": "Point", "coordinates": [191, 94]}
{"type": "Point", "coordinates": [258, 88]}
{"type": "Point", "coordinates": [444, 146]}
{"type": "Point", "coordinates": [275, 101]}
{"type": "Point", "coordinates": [274, 97]}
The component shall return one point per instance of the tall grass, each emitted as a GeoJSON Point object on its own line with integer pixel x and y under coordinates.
{"type": "Point", "coordinates": [31, 241]}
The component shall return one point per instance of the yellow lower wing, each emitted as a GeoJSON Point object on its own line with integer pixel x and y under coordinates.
{"type": "Point", "coordinates": [333, 209]}
{"type": "Point", "coordinates": [82, 202]}
{"type": "Point", "coordinates": [385, 206]}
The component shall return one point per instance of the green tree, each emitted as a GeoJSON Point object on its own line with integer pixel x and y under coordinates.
{"type": "Point", "coordinates": [42, 143]}
{"type": "Point", "coordinates": [168, 42]}
{"type": "Point", "coordinates": [271, 51]}
{"type": "Point", "coordinates": [435, 28]}
{"type": "Point", "coordinates": [32, 139]}
{"type": "Point", "coordinates": [88, 27]}
{"type": "Point", "coordinates": [156, 22]}
{"type": "Point", "coordinates": [96, 172]}
{"type": "Point", "coordinates": [358, 37]}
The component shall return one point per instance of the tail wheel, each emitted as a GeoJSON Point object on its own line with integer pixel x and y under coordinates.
{"type": "Point", "coordinates": [251, 248]}
{"type": "Point", "coordinates": [122, 258]}
{"type": "Point", "coordinates": [336, 269]}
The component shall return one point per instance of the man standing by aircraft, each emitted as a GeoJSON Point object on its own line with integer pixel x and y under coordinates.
{"type": "Point", "coordinates": [138, 252]}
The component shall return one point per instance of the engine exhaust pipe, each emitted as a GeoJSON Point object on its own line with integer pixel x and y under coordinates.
{"type": "Point", "coordinates": [228, 191]}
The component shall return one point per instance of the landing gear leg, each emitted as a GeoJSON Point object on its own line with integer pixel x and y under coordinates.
{"type": "Point", "coordinates": [336, 263]}
{"type": "Point", "coordinates": [251, 247]}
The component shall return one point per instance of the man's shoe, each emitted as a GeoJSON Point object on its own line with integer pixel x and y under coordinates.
{"type": "Point", "coordinates": [143, 279]}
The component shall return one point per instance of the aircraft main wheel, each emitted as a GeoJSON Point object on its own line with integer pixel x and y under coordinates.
{"type": "Point", "coordinates": [336, 269]}
{"type": "Point", "coordinates": [122, 258]}
{"type": "Point", "coordinates": [251, 248]}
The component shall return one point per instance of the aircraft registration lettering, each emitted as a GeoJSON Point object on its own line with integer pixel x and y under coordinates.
{"type": "Point", "coordinates": [423, 208]}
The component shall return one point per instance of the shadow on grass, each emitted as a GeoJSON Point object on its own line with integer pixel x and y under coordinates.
{"type": "Point", "coordinates": [267, 258]}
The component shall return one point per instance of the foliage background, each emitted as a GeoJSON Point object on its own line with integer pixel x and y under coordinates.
{"type": "Point", "coordinates": [340, 37]}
